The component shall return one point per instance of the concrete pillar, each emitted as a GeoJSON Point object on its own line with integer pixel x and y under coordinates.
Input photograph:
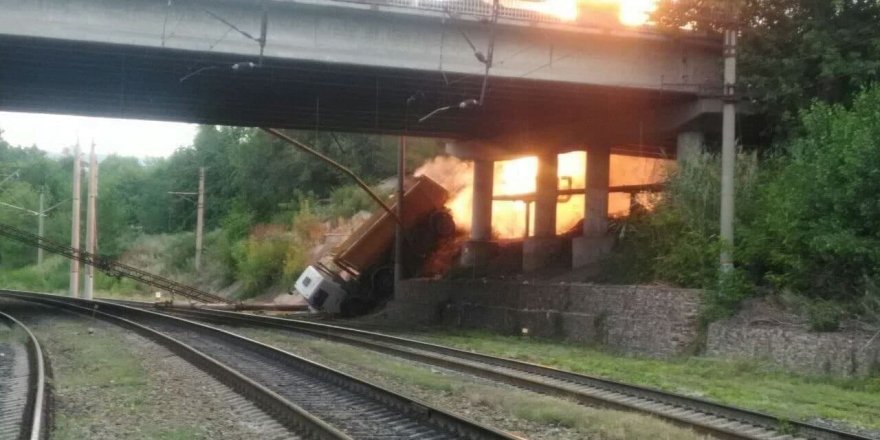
{"type": "Point", "coordinates": [481, 216]}
{"type": "Point", "coordinates": [547, 184]}
{"type": "Point", "coordinates": [598, 180]}
{"type": "Point", "coordinates": [590, 248]}
{"type": "Point", "coordinates": [545, 249]}
{"type": "Point", "coordinates": [476, 251]}
{"type": "Point", "coordinates": [690, 145]}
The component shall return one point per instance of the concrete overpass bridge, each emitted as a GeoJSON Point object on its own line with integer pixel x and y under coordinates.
{"type": "Point", "coordinates": [372, 66]}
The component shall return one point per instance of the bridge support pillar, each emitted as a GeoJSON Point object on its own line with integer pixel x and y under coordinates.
{"type": "Point", "coordinates": [690, 145]}
{"type": "Point", "coordinates": [545, 249]}
{"type": "Point", "coordinates": [595, 243]}
{"type": "Point", "coordinates": [476, 251]}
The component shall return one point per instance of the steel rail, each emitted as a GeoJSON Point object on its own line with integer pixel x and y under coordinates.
{"type": "Point", "coordinates": [33, 419]}
{"type": "Point", "coordinates": [288, 414]}
{"type": "Point", "coordinates": [420, 418]}
{"type": "Point", "coordinates": [705, 416]}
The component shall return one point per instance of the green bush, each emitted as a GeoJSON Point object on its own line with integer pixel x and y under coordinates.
{"type": "Point", "coordinates": [346, 201]}
{"type": "Point", "coordinates": [824, 316]}
{"type": "Point", "coordinates": [807, 220]}
{"type": "Point", "coordinates": [306, 232]}
{"type": "Point", "coordinates": [678, 241]}
{"type": "Point", "coordinates": [724, 299]}
{"type": "Point", "coordinates": [260, 258]}
{"type": "Point", "coordinates": [52, 276]}
{"type": "Point", "coordinates": [818, 232]}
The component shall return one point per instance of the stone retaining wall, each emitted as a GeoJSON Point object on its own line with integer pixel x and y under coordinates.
{"type": "Point", "coordinates": [644, 320]}
{"type": "Point", "coordinates": [792, 346]}
{"type": "Point", "coordinates": [648, 320]}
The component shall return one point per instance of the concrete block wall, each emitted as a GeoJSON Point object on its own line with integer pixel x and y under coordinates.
{"type": "Point", "coordinates": [647, 320]}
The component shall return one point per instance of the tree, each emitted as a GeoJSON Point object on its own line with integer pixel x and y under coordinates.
{"type": "Point", "coordinates": [818, 231]}
{"type": "Point", "coordinates": [792, 52]}
{"type": "Point", "coordinates": [26, 172]}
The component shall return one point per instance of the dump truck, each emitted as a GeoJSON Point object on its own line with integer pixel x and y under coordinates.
{"type": "Point", "coordinates": [357, 276]}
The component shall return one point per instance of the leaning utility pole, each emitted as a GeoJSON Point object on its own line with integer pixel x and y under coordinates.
{"type": "Point", "coordinates": [728, 147]}
{"type": "Point", "coordinates": [74, 226]}
{"type": "Point", "coordinates": [200, 218]}
{"type": "Point", "coordinates": [91, 222]}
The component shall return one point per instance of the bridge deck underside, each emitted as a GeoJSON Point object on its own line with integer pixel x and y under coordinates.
{"type": "Point", "coordinates": [55, 76]}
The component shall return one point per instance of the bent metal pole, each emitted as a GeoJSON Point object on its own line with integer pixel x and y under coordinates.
{"type": "Point", "coordinates": [302, 146]}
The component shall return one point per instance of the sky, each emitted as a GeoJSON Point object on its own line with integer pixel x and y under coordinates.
{"type": "Point", "coordinates": [125, 137]}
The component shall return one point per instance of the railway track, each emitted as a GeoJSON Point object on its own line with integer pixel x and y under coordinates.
{"type": "Point", "coordinates": [22, 382]}
{"type": "Point", "coordinates": [704, 416]}
{"type": "Point", "coordinates": [312, 400]}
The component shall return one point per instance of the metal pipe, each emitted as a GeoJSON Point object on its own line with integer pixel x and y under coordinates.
{"type": "Point", "coordinates": [266, 307]}
{"type": "Point", "coordinates": [336, 165]}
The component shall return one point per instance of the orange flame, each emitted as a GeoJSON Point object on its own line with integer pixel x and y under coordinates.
{"type": "Point", "coordinates": [517, 177]}
{"type": "Point", "coordinates": [629, 12]}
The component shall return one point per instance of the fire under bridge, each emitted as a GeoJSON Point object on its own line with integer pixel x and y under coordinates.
{"type": "Point", "coordinates": [377, 66]}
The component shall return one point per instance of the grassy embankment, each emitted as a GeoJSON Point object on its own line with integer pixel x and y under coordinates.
{"type": "Point", "coordinates": [167, 255]}
{"type": "Point", "coordinates": [265, 261]}
{"type": "Point", "coordinates": [745, 384]}
{"type": "Point", "coordinates": [53, 276]}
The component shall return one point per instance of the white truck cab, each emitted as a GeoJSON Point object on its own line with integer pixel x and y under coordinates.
{"type": "Point", "coordinates": [320, 290]}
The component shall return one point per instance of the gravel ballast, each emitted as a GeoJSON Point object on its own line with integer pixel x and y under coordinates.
{"type": "Point", "coordinates": [110, 383]}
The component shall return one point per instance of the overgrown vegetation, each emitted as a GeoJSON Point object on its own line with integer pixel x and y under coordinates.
{"type": "Point", "coordinates": [791, 52]}
{"type": "Point", "coordinates": [807, 221]}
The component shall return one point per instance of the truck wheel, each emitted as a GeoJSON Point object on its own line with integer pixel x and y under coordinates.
{"type": "Point", "coordinates": [442, 224]}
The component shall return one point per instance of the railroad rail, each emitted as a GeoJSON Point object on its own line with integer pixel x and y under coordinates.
{"type": "Point", "coordinates": [313, 400]}
{"type": "Point", "coordinates": [702, 415]}
{"type": "Point", "coordinates": [22, 382]}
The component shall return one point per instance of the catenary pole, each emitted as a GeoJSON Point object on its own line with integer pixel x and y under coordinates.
{"type": "Point", "coordinates": [74, 224]}
{"type": "Point", "coordinates": [91, 223]}
{"type": "Point", "coordinates": [728, 149]}
{"type": "Point", "coordinates": [200, 218]}
{"type": "Point", "coordinates": [40, 225]}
